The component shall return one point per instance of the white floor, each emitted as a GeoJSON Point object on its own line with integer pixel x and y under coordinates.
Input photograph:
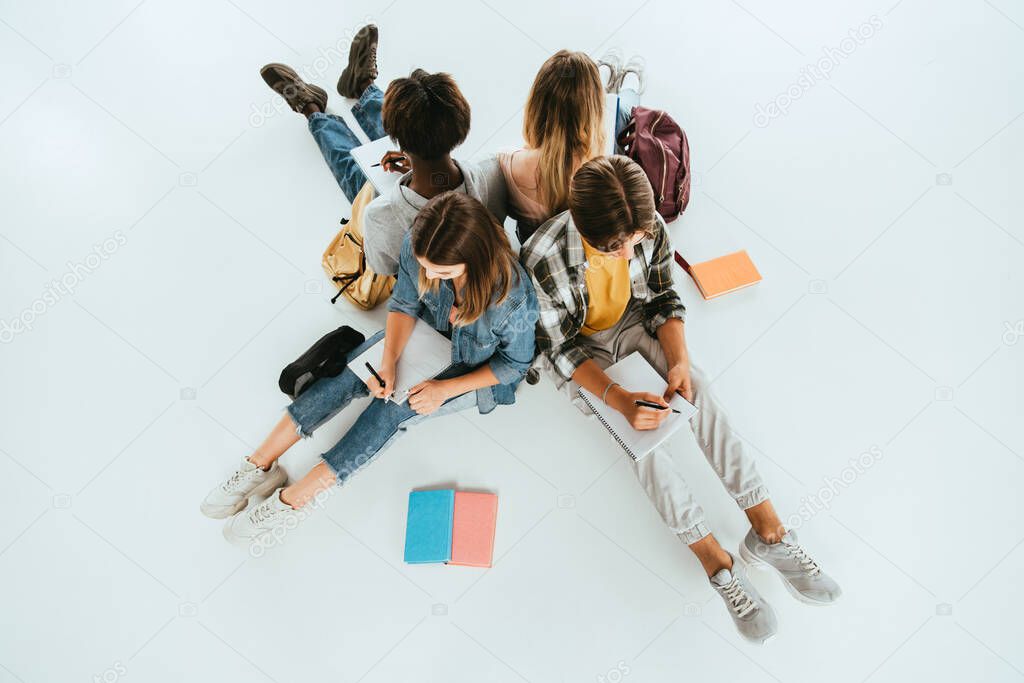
{"type": "Point", "coordinates": [882, 209]}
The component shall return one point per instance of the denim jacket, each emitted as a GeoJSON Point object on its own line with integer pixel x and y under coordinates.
{"type": "Point", "coordinates": [503, 337]}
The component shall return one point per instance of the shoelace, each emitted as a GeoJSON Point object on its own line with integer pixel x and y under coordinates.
{"type": "Point", "coordinates": [264, 511]}
{"type": "Point", "coordinates": [237, 478]}
{"type": "Point", "coordinates": [807, 564]}
{"type": "Point", "coordinates": [738, 598]}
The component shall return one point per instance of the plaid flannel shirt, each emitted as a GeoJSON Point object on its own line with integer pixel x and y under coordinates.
{"type": "Point", "coordinates": [555, 259]}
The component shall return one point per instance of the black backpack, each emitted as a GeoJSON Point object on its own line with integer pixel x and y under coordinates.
{"type": "Point", "coordinates": [326, 358]}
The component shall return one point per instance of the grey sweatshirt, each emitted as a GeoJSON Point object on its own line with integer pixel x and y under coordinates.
{"type": "Point", "coordinates": [388, 217]}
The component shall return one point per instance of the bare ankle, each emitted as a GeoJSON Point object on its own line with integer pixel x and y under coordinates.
{"type": "Point", "coordinates": [286, 498]}
{"type": "Point", "coordinates": [771, 535]}
{"type": "Point", "coordinates": [766, 522]}
{"type": "Point", "coordinates": [255, 460]}
{"type": "Point", "coordinates": [712, 556]}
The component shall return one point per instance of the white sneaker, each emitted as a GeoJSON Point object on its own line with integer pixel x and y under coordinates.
{"type": "Point", "coordinates": [754, 618]}
{"type": "Point", "coordinates": [637, 66]}
{"type": "Point", "coordinates": [252, 525]}
{"type": "Point", "coordinates": [612, 61]}
{"type": "Point", "coordinates": [233, 495]}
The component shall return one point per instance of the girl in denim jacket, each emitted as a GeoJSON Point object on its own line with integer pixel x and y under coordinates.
{"type": "Point", "coordinates": [458, 274]}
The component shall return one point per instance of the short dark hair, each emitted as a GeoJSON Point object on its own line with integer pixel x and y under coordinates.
{"type": "Point", "coordinates": [426, 114]}
{"type": "Point", "coordinates": [611, 198]}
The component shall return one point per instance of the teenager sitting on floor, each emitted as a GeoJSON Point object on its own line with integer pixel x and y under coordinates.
{"type": "Point", "coordinates": [458, 274]}
{"type": "Point", "coordinates": [603, 275]}
{"type": "Point", "coordinates": [427, 117]}
{"type": "Point", "coordinates": [564, 126]}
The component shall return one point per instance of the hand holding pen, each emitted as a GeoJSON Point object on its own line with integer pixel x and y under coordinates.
{"type": "Point", "coordinates": [655, 406]}
{"type": "Point", "coordinates": [395, 162]}
{"type": "Point", "coordinates": [381, 381]}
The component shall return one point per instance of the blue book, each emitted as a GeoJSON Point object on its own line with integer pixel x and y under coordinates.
{"type": "Point", "coordinates": [428, 528]}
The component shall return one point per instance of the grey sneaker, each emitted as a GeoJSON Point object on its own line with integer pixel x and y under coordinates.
{"type": "Point", "coordinates": [754, 618]}
{"type": "Point", "coordinates": [801, 575]}
{"type": "Point", "coordinates": [253, 524]}
{"type": "Point", "coordinates": [233, 495]}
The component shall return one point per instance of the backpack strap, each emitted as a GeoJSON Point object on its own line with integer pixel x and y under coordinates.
{"type": "Point", "coordinates": [683, 264]}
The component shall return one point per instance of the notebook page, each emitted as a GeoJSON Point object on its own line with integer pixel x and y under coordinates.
{"type": "Point", "coordinates": [634, 373]}
{"type": "Point", "coordinates": [426, 355]}
{"type": "Point", "coordinates": [369, 154]}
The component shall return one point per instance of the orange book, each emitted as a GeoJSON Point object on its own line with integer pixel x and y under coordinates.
{"type": "Point", "coordinates": [473, 528]}
{"type": "Point", "coordinates": [723, 274]}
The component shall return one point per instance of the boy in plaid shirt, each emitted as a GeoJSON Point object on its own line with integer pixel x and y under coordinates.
{"type": "Point", "coordinates": [603, 277]}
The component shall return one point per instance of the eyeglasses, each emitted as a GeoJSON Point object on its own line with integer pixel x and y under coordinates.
{"type": "Point", "coordinates": [621, 241]}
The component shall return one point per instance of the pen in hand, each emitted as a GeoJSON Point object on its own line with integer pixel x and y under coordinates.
{"type": "Point", "coordinates": [649, 404]}
{"type": "Point", "coordinates": [396, 159]}
{"type": "Point", "coordinates": [378, 377]}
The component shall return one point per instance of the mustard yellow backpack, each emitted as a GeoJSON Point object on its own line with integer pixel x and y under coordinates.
{"type": "Point", "coordinates": [345, 263]}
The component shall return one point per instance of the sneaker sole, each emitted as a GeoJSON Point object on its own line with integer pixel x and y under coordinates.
{"type": "Point", "coordinates": [264, 489]}
{"type": "Point", "coordinates": [289, 74]}
{"type": "Point", "coordinates": [371, 37]}
{"type": "Point", "coordinates": [238, 541]}
{"type": "Point", "coordinates": [753, 561]}
{"type": "Point", "coordinates": [760, 642]}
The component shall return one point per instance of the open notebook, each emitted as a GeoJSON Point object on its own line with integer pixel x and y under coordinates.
{"type": "Point", "coordinates": [366, 156]}
{"type": "Point", "coordinates": [427, 354]}
{"type": "Point", "coordinates": [634, 373]}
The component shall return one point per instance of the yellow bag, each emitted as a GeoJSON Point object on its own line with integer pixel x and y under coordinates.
{"type": "Point", "coordinates": [345, 263]}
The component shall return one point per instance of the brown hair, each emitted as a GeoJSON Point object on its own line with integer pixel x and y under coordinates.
{"type": "Point", "coordinates": [426, 114]}
{"type": "Point", "coordinates": [454, 228]}
{"type": "Point", "coordinates": [564, 120]}
{"type": "Point", "coordinates": [610, 198]}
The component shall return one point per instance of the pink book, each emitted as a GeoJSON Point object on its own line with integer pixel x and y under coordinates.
{"type": "Point", "coordinates": [473, 528]}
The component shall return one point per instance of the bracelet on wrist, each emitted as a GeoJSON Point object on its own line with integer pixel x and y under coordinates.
{"type": "Point", "coordinates": [604, 396]}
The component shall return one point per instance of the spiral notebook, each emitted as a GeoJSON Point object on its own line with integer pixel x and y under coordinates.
{"type": "Point", "coordinates": [634, 373]}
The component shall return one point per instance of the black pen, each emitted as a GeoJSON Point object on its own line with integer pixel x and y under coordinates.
{"type": "Point", "coordinates": [649, 404]}
{"type": "Point", "coordinates": [396, 160]}
{"type": "Point", "coordinates": [374, 373]}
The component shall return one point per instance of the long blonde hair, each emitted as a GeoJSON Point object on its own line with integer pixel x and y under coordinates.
{"type": "Point", "coordinates": [564, 121]}
{"type": "Point", "coordinates": [454, 228]}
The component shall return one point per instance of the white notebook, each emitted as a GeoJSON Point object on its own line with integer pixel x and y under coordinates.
{"type": "Point", "coordinates": [634, 373]}
{"type": "Point", "coordinates": [427, 354]}
{"type": "Point", "coordinates": [371, 153]}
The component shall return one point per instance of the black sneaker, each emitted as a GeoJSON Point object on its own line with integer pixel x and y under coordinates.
{"type": "Point", "coordinates": [362, 63]}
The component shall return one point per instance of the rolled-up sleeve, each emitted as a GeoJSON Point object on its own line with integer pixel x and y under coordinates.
{"type": "Point", "coordinates": [405, 297]}
{"type": "Point", "coordinates": [517, 341]}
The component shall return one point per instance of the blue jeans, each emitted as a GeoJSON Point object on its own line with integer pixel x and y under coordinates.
{"type": "Point", "coordinates": [374, 430]}
{"type": "Point", "coordinates": [336, 139]}
{"type": "Point", "coordinates": [628, 99]}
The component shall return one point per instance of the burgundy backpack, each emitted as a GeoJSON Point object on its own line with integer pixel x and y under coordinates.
{"type": "Point", "coordinates": [655, 141]}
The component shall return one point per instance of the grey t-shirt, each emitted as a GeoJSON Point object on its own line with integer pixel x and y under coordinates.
{"type": "Point", "coordinates": [388, 217]}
